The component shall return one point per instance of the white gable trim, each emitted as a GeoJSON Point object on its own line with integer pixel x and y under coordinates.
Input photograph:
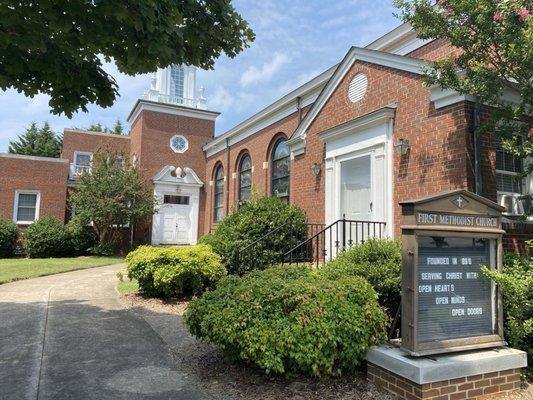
{"type": "Point", "coordinates": [378, 117]}
{"type": "Point", "coordinates": [287, 105]}
{"type": "Point", "coordinates": [190, 178]}
{"type": "Point", "coordinates": [146, 105]}
{"type": "Point", "coordinates": [401, 40]}
{"type": "Point", "coordinates": [402, 63]}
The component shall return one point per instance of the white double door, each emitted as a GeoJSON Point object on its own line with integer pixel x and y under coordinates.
{"type": "Point", "coordinates": [176, 224]}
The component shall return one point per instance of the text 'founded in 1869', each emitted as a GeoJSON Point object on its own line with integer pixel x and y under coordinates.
{"type": "Point", "coordinates": [473, 221]}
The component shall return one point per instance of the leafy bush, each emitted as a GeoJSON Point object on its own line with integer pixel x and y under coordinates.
{"type": "Point", "coordinates": [81, 237]}
{"type": "Point", "coordinates": [516, 284]}
{"type": "Point", "coordinates": [173, 271]}
{"type": "Point", "coordinates": [8, 237]}
{"type": "Point", "coordinates": [252, 221]}
{"type": "Point", "coordinates": [47, 237]}
{"type": "Point", "coordinates": [290, 319]}
{"type": "Point", "coordinates": [379, 262]}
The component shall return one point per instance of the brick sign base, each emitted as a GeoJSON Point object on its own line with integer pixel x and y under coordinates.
{"type": "Point", "coordinates": [475, 387]}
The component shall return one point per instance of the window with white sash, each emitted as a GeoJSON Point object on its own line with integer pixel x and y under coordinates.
{"type": "Point", "coordinates": [26, 207]}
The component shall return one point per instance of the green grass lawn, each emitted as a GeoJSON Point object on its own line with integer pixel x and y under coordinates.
{"type": "Point", "coordinates": [126, 286]}
{"type": "Point", "coordinates": [14, 269]}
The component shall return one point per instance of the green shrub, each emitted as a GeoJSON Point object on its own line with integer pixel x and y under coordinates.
{"type": "Point", "coordinates": [174, 271]}
{"type": "Point", "coordinates": [251, 222]}
{"type": "Point", "coordinates": [379, 262]}
{"type": "Point", "coordinates": [290, 319]}
{"type": "Point", "coordinates": [47, 237]}
{"type": "Point", "coordinates": [81, 237]}
{"type": "Point", "coordinates": [516, 284]}
{"type": "Point", "coordinates": [8, 237]}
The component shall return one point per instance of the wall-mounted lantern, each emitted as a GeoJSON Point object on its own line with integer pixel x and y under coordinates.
{"type": "Point", "coordinates": [315, 169]}
{"type": "Point", "coordinates": [402, 147]}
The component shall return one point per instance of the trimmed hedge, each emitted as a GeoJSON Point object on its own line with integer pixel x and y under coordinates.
{"type": "Point", "coordinates": [47, 237]}
{"type": "Point", "coordinates": [8, 237]}
{"type": "Point", "coordinates": [290, 319]}
{"type": "Point", "coordinates": [82, 238]}
{"type": "Point", "coordinates": [379, 262]}
{"type": "Point", "coordinates": [174, 271]}
{"type": "Point", "coordinates": [253, 220]}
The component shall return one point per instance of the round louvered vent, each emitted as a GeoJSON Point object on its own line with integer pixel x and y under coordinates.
{"type": "Point", "coordinates": [357, 88]}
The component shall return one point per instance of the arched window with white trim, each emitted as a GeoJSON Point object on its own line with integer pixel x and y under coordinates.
{"type": "Point", "coordinates": [245, 177]}
{"type": "Point", "coordinates": [218, 201]}
{"type": "Point", "coordinates": [281, 168]}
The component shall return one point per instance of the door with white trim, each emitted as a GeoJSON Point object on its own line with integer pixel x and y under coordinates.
{"type": "Point", "coordinates": [355, 188]}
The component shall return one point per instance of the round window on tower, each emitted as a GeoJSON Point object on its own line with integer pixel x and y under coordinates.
{"type": "Point", "coordinates": [179, 144]}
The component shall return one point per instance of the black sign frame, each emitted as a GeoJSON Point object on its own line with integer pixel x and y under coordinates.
{"type": "Point", "coordinates": [411, 235]}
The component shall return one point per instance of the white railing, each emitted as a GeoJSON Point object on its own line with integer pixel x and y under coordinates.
{"type": "Point", "coordinates": [153, 95]}
{"type": "Point", "coordinates": [77, 170]}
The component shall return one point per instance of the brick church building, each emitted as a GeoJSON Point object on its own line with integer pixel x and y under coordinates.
{"type": "Point", "coordinates": [355, 140]}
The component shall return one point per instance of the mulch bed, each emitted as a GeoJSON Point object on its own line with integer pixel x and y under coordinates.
{"type": "Point", "coordinates": [223, 378]}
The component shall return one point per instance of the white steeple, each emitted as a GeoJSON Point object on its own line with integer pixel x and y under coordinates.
{"type": "Point", "coordinates": [175, 84]}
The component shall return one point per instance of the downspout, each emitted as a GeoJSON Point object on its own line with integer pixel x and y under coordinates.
{"type": "Point", "coordinates": [227, 175]}
{"type": "Point", "coordinates": [478, 184]}
{"type": "Point", "coordinates": [299, 108]}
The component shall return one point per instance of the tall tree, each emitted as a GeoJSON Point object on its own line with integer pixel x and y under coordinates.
{"type": "Point", "coordinates": [58, 47]}
{"type": "Point", "coordinates": [494, 39]}
{"type": "Point", "coordinates": [37, 142]}
{"type": "Point", "coordinates": [118, 129]}
{"type": "Point", "coordinates": [112, 196]}
{"type": "Point", "coordinates": [98, 127]}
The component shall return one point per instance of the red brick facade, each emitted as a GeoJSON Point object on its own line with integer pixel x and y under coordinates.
{"type": "Point", "coordinates": [150, 136]}
{"type": "Point", "coordinates": [48, 177]}
{"type": "Point", "coordinates": [440, 155]}
{"type": "Point", "coordinates": [475, 387]}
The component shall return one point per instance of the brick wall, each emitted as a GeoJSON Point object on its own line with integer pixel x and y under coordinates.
{"type": "Point", "coordinates": [517, 232]}
{"type": "Point", "coordinates": [475, 387]}
{"type": "Point", "coordinates": [438, 158]}
{"type": "Point", "coordinates": [259, 147]}
{"type": "Point", "coordinates": [435, 50]}
{"type": "Point", "coordinates": [151, 134]}
{"type": "Point", "coordinates": [49, 177]}
{"type": "Point", "coordinates": [77, 140]}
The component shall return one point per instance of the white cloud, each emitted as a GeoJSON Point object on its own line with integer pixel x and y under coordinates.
{"type": "Point", "coordinates": [264, 73]}
{"type": "Point", "coordinates": [220, 100]}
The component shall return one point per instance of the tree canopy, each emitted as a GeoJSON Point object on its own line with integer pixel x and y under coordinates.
{"type": "Point", "coordinates": [37, 142]}
{"type": "Point", "coordinates": [111, 196]}
{"type": "Point", "coordinates": [58, 48]}
{"type": "Point", "coordinates": [494, 39]}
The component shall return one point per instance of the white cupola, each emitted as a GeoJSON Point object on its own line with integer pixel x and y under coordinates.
{"type": "Point", "coordinates": [175, 84]}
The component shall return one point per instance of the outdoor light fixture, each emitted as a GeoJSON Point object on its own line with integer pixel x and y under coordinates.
{"type": "Point", "coordinates": [402, 146]}
{"type": "Point", "coordinates": [315, 169]}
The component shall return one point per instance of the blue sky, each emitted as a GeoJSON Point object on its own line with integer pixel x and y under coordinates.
{"type": "Point", "coordinates": [295, 40]}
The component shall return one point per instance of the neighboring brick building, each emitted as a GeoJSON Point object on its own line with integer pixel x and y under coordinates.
{"type": "Point", "coordinates": [333, 146]}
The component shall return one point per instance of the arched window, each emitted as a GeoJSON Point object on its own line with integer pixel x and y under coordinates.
{"type": "Point", "coordinates": [281, 168]}
{"type": "Point", "coordinates": [218, 205]}
{"type": "Point", "coordinates": [245, 177]}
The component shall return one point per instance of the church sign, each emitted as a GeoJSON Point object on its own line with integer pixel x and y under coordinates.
{"type": "Point", "coordinates": [447, 303]}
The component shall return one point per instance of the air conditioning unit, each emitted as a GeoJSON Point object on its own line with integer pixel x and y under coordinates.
{"type": "Point", "coordinates": [512, 203]}
{"type": "Point", "coordinates": [527, 203]}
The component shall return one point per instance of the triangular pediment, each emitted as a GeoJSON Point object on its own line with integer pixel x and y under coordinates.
{"type": "Point", "coordinates": [458, 201]}
{"type": "Point", "coordinates": [177, 176]}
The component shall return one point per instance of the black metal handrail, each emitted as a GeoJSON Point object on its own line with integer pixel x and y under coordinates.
{"type": "Point", "coordinates": [294, 236]}
{"type": "Point", "coordinates": [342, 235]}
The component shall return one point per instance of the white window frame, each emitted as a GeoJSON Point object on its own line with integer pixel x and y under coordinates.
{"type": "Point", "coordinates": [81, 153]}
{"type": "Point", "coordinates": [513, 194]}
{"type": "Point", "coordinates": [16, 206]}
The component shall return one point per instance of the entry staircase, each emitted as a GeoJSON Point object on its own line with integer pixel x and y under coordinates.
{"type": "Point", "coordinates": [315, 244]}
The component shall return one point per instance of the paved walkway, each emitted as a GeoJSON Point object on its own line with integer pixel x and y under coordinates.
{"type": "Point", "coordinates": [67, 336]}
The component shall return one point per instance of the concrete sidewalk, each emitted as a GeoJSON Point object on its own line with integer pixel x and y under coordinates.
{"type": "Point", "coordinates": [67, 336]}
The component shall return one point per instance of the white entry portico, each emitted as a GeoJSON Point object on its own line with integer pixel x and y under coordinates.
{"type": "Point", "coordinates": [177, 193]}
{"type": "Point", "coordinates": [359, 169]}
